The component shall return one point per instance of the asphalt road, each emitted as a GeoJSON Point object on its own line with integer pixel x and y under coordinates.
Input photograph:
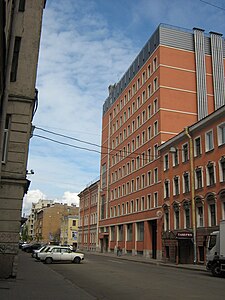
{"type": "Point", "coordinates": [111, 278]}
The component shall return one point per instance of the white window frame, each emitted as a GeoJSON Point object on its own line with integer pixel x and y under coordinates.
{"type": "Point", "coordinates": [209, 147]}
{"type": "Point", "coordinates": [221, 134]}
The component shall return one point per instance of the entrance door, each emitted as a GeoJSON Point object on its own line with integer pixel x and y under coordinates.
{"type": "Point", "coordinates": [185, 251]}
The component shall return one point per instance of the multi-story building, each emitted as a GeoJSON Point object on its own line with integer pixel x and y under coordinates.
{"type": "Point", "coordinates": [69, 231]}
{"type": "Point", "coordinates": [88, 217]}
{"type": "Point", "coordinates": [176, 80]}
{"type": "Point", "coordinates": [20, 30]}
{"type": "Point", "coordinates": [33, 216]}
{"type": "Point", "coordinates": [49, 220]}
{"type": "Point", "coordinates": [193, 180]}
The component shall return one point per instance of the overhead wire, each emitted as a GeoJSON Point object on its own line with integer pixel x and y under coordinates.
{"type": "Point", "coordinates": [115, 151]}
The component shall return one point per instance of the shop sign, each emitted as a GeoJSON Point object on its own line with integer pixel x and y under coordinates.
{"type": "Point", "coordinates": [184, 235]}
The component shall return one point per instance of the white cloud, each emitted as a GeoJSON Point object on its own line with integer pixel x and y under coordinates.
{"type": "Point", "coordinates": [32, 196]}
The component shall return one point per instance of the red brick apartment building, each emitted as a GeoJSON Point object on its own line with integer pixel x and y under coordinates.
{"type": "Point", "coordinates": [176, 80]}
{"type": "Point", "coordinates": [193, 180]}
{"type": "Point", "coordinates": [88, 218]}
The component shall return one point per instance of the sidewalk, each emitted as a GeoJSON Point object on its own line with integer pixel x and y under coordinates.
{"type": "Point", "coordinates": [141, 259]}
{"type": "Point", "coordinates": [37, 281]}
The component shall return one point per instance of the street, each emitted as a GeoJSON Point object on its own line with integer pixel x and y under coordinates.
{"type": "Point", "coordinates": [105, 277]}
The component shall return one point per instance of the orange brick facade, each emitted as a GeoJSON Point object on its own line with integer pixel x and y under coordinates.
{"type": "Point", "coordinates": [208, 183]}
{"type": "Point", "coordinates": [88, 218]}
{"type": "Point", "coordinates": [165, 89]}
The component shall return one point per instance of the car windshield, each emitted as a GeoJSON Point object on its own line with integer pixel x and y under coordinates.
{"type": "Point", "coordinates": [212, 241]}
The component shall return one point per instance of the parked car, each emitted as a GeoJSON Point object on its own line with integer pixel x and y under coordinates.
{"type": "Point", "coordinates": [62, 254]}
{"type": "Point", "coordinates": [31, 246]}
{"type": "Point", "coordinates": [36, 251]}
{"type": "Point", "coordinates": [42, 254]}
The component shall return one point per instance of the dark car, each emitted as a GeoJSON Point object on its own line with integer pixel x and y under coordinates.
{"type": "Point", "coordinates": [30, 247]}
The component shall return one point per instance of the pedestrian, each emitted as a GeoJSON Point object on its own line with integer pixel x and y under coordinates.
{"type": "Point", "coordinates": [119, 251]}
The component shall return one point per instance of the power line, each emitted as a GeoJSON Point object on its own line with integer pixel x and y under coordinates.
{"type": "Point", "coordinates": [206, 2]}
{"type": "Point", "coordinates": [96, 151]}
{"type": "Point", "coordinates": [91, 144]}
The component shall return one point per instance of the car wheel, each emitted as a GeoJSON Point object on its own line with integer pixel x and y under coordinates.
{"type": "Point", "coordinates": [77, 260]}
{"type": "Point", "coordinates": [27, 250]}
{"type": "Point", "coordinates": [216, 270]}
{"type": "Point", "coordinates": [48, 260]}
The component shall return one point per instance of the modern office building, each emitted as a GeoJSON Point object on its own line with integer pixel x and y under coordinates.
{"type": "Point", "coordinates": [88, 217]}
{"type": "Point", "coordinates": [176, 80]}
{"type": "Point", "coordinates": [20, 30]}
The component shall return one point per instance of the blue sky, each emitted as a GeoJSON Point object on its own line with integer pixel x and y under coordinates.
{"type": "Point", "coordinates": [86, 45]}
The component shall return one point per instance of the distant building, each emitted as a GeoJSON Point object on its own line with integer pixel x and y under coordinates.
{"type": "Point", "coordinates": [193, 183]}
{"type": "Point", "coordinates": [69, 231]}
{"type": "Point", "coordinates": [49, 220]}
{"type": "Point", "coordinates": [33, 216]}
{"type": "Point", "coordinates": [88, 217]}
{"type": "Point", "coordinates": [20, 30]}
{"type": "Point", "coordinates": [176, 80]}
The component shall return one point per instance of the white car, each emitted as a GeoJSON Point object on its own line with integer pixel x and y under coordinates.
{"type": "Point", "coordinates": [60, 253]}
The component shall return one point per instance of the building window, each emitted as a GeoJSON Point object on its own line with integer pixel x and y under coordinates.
{"type": "Point", "coordinates": [22, 4]}
{"type": "Point", "coordinates": [120, 233]}
{"type": "Point", "coordinates": [132, 206]}
{"type": "Point", "coordinates": [149, 178]}
{"type": "Point", "coordinates": [200, 219]}
{"type": "Point", "coordinates": [154, 64]}
{"type": "Point", "coordinates": [155, 199]}
{"type": "Point", "coordinates": [166, 189]}
{"type": "Point", "coordinates": [112, 233]}
{"type": "Point", "coordinates": [137, 205]}
{"type": "Point", "coordinates": [186, 207]}
{"type": "Point", "coordinates": [149, 90]}
{"type": "Point", "coordinates": [212, 214]}
{"type": "Point", "coordinates": [176, 189]}
{"type": "Point", "coordinates": [198, 178]}
{"type": "Point", "coordinates": [166, 219]}
{"type": "Point", "coordinates": [155, 105]}
{"type": "Point", "coordinates": [166, 162]}
{"type": "Point", "coordinates": [176, 215]}
{"type": "Point", "coordinates": [155, 175]}
{"type": "Point", "coordinates": [15, 60]}
{"type": "Point", "coordinates": [210, 174]}
{"type": "Point", "coordinates": [175, 158]}
{"type": "Point", "coordinates": [185, 152]}
{"type": "Point", "coordinates": [5, 139]}
{"type": "Point", "coordinates": [148, 201]}
{"type": "Point", "coordinates": [140, 231]}
{"type": "Point", "coordinates": [142, 203]}
{"type": "Point", "coordinates": [197, 146]}
{"type": "Point", "coordinates": [149, 111]}
{"type": "Point", "coordinates": [129, 232]}
{"type": "Point", "coordinates": [186, 183]}
{"type": "Point", "coordinates": [155, 128]}
{"type": "Point", "coordinates": [222, 169]}
{"type": "Point", "coordinates": [155, 84]}
{"type": "Point", "coordinates": [221, 134]}
{"type": "Point", "coordinates": [209, 145]}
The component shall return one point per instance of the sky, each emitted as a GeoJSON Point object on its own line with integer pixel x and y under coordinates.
{"type": "Point", "coordinates": [86, 45]}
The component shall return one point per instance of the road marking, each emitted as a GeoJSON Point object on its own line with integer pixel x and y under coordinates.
{"type": "Point", "coordinates": [115, 261]}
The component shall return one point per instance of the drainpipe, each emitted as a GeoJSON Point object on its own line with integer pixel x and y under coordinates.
{"type": "Point", "coordinates": [192, 193]}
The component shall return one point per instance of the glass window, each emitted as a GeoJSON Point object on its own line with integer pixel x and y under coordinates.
{"type": "Point", "coordinates": [200, 216]}
{"type": "Point", "coordinates": [198, 178]}
{"type": "Point", "coordinates": [186, 183]}
{"type": "Point", "coordinates": [221, 134]}
{"type": "Point", "coordinates": [176, 189]}
{"type": "Point", "coordinates": [185, 152]}
{"type": "Point", "coordinates": [140, 231]}
{"type": "Point", "coordinates": [212, 214]}
{"type": "Point", "coordinates": [197, 145]}
{"type": "Point", "coordinates": [209, 145]}
{"type": "Point", "coordinates": [210, 174]}
{"type": "Point", "coordinates": [166, 162]}
{"type": "Point", "coordinates": [222, 169]}
{"type": "Point", "coordinates": [166, 189]}
{"type": "Point", "coordinates": [175, 158]}
{"type": "Point", "coordinates": [129, 232]}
